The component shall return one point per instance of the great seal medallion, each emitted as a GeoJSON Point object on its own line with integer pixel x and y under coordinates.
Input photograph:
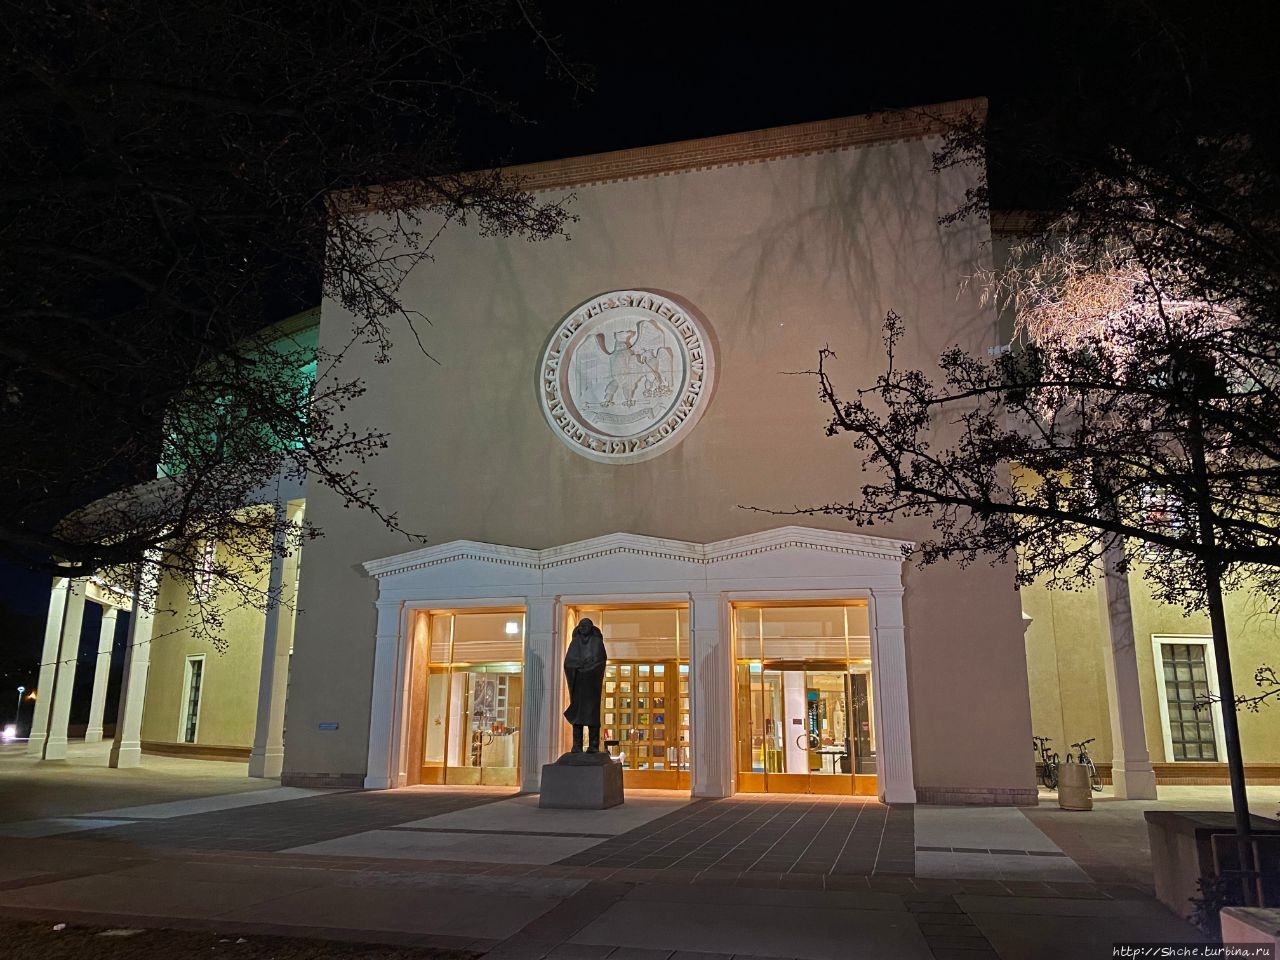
{"type": "Point", "coordinates": [626, 375]}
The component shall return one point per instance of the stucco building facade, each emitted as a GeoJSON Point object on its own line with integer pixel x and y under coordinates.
{"type": "Point", "coordinates": [619, 427]}
{"type": "Point", "coordinates": [771, 245]}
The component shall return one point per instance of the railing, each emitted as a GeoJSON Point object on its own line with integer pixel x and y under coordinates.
{"type": "Point", "coordinates": [1253, 886]}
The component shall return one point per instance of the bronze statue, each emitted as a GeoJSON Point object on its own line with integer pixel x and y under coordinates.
{"type": "Point", "coordinates": [584, 671]}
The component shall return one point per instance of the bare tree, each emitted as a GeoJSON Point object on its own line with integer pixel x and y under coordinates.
{"type": "Point", "coordinates": [169, 176]}
{"type": "Point", "coordinates": [1134, 413]}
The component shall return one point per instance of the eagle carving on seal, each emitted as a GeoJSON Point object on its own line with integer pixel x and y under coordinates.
{"type": "Point", "coordinates": [640, 363]}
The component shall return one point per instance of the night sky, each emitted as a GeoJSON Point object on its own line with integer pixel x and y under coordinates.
{"type": "Point", "coordinates": [1090, 72]}
{"type": "Point", "coordinates": [674, 71]}
{"type": "Point", "coordinates": [659, 72]}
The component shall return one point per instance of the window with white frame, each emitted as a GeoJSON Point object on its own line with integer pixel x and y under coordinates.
{"type": "Point", "coordinates": [192, 685]}
{"type": "Point", "coordinates": [1185, 678]}
{"type": "Point", "coordinates": [204, 572]}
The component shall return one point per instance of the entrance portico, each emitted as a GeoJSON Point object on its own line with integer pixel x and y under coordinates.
{"type": "Point", "coordinates": [786, 565]}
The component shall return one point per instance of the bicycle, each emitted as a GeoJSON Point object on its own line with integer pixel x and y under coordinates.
{"type": "Point", "coordinates": [1083, 758]}
{"type": "Point", "coordinates": [1048, 762]}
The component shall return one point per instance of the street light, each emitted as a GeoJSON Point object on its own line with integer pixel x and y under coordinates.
{"type": "Point", "coordinates": [10, 731]}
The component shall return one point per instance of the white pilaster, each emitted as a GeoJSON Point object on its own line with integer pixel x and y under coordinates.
{"type": "Point", "coordinates": [711, 696]}
{"type": "Point", "coordinates": [101, 671]}
{"type": "Point", "coordinates": [387, 705]}
{"type": "Point", "coordinates": [541, 723]}
{"type": "Point", "coordinates": [48, 666]}
{"type": "Point", "coordinates": [892, 713]}
{"type": "Point", "coordinates": [126, 747]}
{"type": "Point", "coordinates": [1132, 775]}
{"type": "Point", "coordinates": [64, 680]}
{"type": "Point", "coordinates": [266, 759]}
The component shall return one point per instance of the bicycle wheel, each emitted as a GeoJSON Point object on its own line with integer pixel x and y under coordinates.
{"type": "Point", "coordinates": [1051, 775]}
{"type": "Point", "coordinates": [1095, 778]}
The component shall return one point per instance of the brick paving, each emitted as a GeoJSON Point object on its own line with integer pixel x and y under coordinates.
{"type": "Point", "coordinates": [776, 836]}
{"type": "Point", "coordinates": [800, 876]}
{"type": "Point", "coordinates": [750, 837]}
{"type": "Point", "coordinates": [947, 929]}
{"type": "Point", "coordinates": [816, 843]}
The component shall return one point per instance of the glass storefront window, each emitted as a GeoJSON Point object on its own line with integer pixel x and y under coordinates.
{"type": "Point", "coordinates": [473, 698]}
{"type": "Point", "coordinates": [804, 698]}
{"type": "Point", "coordinates": [644, 708]}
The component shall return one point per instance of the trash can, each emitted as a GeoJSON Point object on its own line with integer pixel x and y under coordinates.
{"type": "Point", "coordinates": [1074, 792]}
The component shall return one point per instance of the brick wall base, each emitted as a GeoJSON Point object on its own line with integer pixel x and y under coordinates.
{"type": "Point", "coordinates": [1201, 774]}
{"type": "Point", "coordinates": [1212, 773]}
{"type": "Point", "coordinates": [986, 796]}
{"type": "Point", "coordinates": [196, 751]}
{"type": "Point", "coordinates": [331, 781]}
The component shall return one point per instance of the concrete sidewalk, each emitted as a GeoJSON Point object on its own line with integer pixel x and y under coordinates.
{"type": "Point", "coordinates": [31, 789]}
{"type": "Point", "coordinates": [662, 876]}
{"type": "Point", "coordinates": [1110, 842]}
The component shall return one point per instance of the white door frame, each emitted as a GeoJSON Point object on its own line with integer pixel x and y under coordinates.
{"type": "Point", "coordinates": [786, 563]}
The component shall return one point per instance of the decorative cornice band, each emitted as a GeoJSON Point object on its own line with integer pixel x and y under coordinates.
{"type": "Point", "coordinates": [451, 558]}
{"type": "Point", "coordinates": [698, 554]}
{"type": "Point", "coordinates": [755, 146]}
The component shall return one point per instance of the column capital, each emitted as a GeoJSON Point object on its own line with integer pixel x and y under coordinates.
{"type": "Point", "coordinates": [889, 592]}
{"type": "Point", "coordinates": [541, 603]}
{"type": "Point", "coordinates": [387, 628]}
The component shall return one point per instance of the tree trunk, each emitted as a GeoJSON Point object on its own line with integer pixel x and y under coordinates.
{"type": "Point", "coordinates": [1207, 523]}
{"type": "Point", "coordinates": [1230, 726]}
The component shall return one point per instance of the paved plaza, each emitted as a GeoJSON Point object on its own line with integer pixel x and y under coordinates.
{"type": "Point", "coordinates": [190, 844]}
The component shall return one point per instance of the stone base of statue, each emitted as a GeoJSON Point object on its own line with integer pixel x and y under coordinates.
{"type": "Point", "coordinates": [581, 781]}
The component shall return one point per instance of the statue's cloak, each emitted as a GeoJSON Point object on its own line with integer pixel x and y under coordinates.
{"type": "Point", "coordinates": [584, 664]}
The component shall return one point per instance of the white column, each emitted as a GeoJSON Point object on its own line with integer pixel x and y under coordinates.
{"type": "Point", "coordinates": [266, 759]}
{"type": "Point", "coordinates": [541, 721]}
{"type": "Point", "coordinates": [889, 697]}
{"type": "Point", "coordinates": [64, 681]}
{"type": "Point", "coordinates": [387, 703]}
{"type": "Point", "coordinates": [711, 693]}
{"type": "Point", "coordinates": [1132, 775]}
{"type": "Point", "coordinates": [101, 671]}
{"type": "Point", "coordinates": [48, 666]}
{"type": "Point", "coordinates": [126, 748]}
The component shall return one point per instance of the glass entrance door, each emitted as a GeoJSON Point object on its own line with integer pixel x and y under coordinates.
{"type": "Point", "coordinates": [804, 724]}
{"type": "Point", "coordinates": [471, 698]}
{"type": "Point", "coordinates": [644, 705]}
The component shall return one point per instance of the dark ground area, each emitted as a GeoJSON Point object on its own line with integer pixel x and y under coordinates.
{"type": "Point", "coordinates": [41, 941]}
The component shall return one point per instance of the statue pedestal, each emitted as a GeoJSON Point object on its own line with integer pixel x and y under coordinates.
{"type": "Point", "coordinates": [581, 781]}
